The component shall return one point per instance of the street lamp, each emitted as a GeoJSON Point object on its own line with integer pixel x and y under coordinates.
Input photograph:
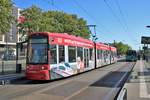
{"type": "Point", "coordinates": [145, 41]}
{"type": "Point", "coordinates": [148, 26]}
{"type": "Point", "coordinates": [147, 38]}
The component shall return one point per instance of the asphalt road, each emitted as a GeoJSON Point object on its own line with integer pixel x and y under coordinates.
{"type": "Point", "coordinates": [100, 84]}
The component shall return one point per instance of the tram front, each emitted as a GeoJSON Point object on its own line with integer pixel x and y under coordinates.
{"type": "Point", "coordinates": [37, 67]}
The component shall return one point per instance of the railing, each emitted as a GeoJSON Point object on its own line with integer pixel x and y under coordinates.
{"type": "Point", "coordinates": [122, 95]}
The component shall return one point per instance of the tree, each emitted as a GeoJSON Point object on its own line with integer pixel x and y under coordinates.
{"type": "Point", "coordinates": [121, 47]}
{"type": "Point", "coordinates": [32, 17]}
{"type": "Point", "coordinates": [5, 16]}
{"type": "Point", "coordinates": [53, 21]}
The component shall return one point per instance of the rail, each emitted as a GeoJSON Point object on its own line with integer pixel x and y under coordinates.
{"type": "Point", "coordinates": [123, 94]}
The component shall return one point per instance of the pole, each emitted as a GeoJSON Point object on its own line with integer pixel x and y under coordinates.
{"type": "Point", "coordinates": [95, 30]}
{"type": "Point", "coordinates": [6, 47]}
{"type": "Point", "coordinates": [93, 37]}
{"type": "Point", "coordinates": [16, 56]}
{"type": "Point", "coordinates": [95, 54]}
{"type": "Point", "coordinates": [2, 67]}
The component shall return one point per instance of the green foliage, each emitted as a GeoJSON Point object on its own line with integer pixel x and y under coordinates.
{"type": "Point", "coordinates": [121, 47]}
{"type": "Point", "coordinates": [5, 16]}
{"type": "Point", "coordinates": [53, 21]}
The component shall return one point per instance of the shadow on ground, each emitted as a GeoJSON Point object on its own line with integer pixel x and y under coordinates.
{"type": "Point", "coordinates": [112, 79]}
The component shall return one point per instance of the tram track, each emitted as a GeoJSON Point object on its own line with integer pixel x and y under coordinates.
{"type": "Point", "coordinates": [105, 81]}
{"type": "Point", "coordinates": [102, 68]}
{"type": "Point", "coordinates": [40, 88]}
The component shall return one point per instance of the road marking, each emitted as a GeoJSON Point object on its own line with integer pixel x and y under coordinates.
{"type": "Point", "coordinates": [143, 87]}
{"type": "Point", "coordinates": [76, 93]}
{"type": "Point", "coordinates": [53, 86]}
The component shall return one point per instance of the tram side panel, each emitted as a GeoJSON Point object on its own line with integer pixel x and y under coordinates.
{"type": "Point", "coordinates": [102, 55]}
{"type": "Point", "coordinates": [70, 60]}
{"type": "Point", "coordinates": [113, 54]}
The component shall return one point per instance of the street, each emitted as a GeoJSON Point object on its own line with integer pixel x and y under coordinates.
{"type": "Point", "coordinates": [74, 50]}
{"type": "Point", "coordinates": [100, 84]}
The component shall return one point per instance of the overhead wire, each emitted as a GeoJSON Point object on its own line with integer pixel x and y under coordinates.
{"type": "Point", "coordinates": [123, 18]}
{"type": "Point", "coordinates": [90, 16]}
{"type": "Point", "coordinates": [85, 11]}
{"type": "Point", "coordinates": [122, 23]}
{"type": "Point", "coordinates": [53, 4]}
{"type": "Point", "coordinates": [121, 13]}
{"type": "Point", "coordinates": [93, 18]}
{"type": "Point", "coordinates": [114, 14]}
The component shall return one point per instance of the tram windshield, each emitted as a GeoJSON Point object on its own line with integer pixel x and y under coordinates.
{"type": "Point", "coordinates": [37, 50]}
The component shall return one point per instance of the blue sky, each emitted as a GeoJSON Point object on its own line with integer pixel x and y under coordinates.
{"type": "Point", "coordinates": [120, 20]}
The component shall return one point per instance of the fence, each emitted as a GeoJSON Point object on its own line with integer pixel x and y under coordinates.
{"type": "Point", "coordinates": [12, 59]}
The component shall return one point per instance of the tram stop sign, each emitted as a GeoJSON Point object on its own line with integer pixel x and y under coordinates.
{"type": "Point", "coordinates": [145, 40]}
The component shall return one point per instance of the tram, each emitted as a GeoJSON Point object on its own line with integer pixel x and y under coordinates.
{"type": "Point", "coordinates": [131, 55]}
{"type": "Point", "coordinates": [57, 55]}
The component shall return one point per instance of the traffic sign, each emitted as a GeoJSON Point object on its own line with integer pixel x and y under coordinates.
{"type": "Point", "coordinates": [145, 40]}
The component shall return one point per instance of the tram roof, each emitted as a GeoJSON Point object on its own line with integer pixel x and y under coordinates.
{"type": "Point", "coordinates": [74, 40]}
{"type": "Point", "coordinates": [102, 46]}
{"type": "Point", "coordinates": [66, 35]}
{"type": "Point", "coordinates": [64, 38]}
{"type": "Point", "coordinates": [113, 49]}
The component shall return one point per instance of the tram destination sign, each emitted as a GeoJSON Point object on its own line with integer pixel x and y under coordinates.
{"type": "Point", "coordinates": [145, 40]}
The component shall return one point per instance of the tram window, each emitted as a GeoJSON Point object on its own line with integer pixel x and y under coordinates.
{"type": "Point", "coordinates": [53, 52]}
{"type": "Point", "coordinates": [113, 55]}
{"type": "Point", "coordinates": [109, 53]}
{"type": "Point", "coordinates": [105, 55]}
{"type": "Point", "coordinates": [102, 54]}
{"type": "Point", "coordinates": [61, 53]}
{"type": "Point", "coordinates": [72, 54]}
{"type": "Point", "coordinates": [80, 52]}
{"type": "Point", "coordinates": [98, 54]}
{"type": "Point", "coordinates": [91, 53]}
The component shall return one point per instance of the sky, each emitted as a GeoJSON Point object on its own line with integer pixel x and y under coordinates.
{"type": "Point", "coordinates": [119, 20]}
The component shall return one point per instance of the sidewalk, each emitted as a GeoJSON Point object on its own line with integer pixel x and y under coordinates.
{"type": "Point", "coordinates": [7, 79]}
{"type": "Point", "coordinates": [138, 86]}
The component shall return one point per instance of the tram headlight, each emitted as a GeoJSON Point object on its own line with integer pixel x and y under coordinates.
{"type": "Point", "coordinates": [27, 67]}
{"type": "Point", "coordinates": [43, 68]}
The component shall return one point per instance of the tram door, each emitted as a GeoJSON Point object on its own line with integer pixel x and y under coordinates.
{"type": "Point", "coordinates": [86, 57]}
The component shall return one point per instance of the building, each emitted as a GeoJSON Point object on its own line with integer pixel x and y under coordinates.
{"type": "Point", "coordinates": [11, 38]}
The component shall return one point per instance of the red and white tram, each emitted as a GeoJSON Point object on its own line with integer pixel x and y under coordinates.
{"type": "Point", "coordinates": [57, 55]}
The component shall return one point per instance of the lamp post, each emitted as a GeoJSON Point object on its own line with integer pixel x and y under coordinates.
{"type": "Point", "coordinates": [146, 41]}
{"type": "Point", "coordinates": [148, 26]}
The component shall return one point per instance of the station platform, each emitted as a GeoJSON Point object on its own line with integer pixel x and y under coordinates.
{"type": "Point", "coordinates": [138, 84]}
